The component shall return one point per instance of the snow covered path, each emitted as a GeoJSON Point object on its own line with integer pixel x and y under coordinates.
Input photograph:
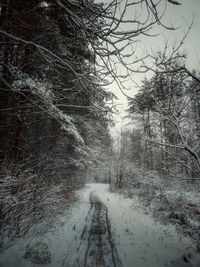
{"type": "Point", "coordinates": [113, 232]}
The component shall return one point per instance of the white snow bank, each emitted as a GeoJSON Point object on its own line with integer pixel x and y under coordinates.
{"type": "Point", "coordinates": [139, 239]}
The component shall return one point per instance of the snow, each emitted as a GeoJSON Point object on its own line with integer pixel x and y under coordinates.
{"type": "Point", "coordinates": [138, 239]}
{"type": "Point", "coordinates": [46, 95]}
{"type": "Point", "coordinates": [189, 196]}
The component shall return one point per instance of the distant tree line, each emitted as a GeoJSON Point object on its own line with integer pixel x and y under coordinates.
{"type": "Point", "coordinates": [164, 130]}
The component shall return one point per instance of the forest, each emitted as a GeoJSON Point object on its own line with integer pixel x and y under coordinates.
{"type": "Point", "coordinates": [58, 61]}
{"type": "Point", "coordinates": [157, 158]}
{"type": "Point", "coordinates": [53, 108]}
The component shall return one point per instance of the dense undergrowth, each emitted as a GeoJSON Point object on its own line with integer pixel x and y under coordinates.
{"type": "Point", "coordinates": [169, 200]}
{"type": "Point", "coordinates": [29, 204]}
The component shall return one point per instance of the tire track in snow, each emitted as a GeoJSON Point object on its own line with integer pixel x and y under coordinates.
{"type": "Point", "coordinates": [97, 248]}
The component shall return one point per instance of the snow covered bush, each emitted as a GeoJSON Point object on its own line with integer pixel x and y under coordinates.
{"type": "Point", "coordinates": [38, 253]}
{"type": "Point", "coordinates": [27, 203]}
{"type": "Point", "coordinates": [168, 201]}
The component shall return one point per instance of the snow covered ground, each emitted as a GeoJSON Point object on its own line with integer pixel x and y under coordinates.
{"type": "Point", "coordinates": [128, 237]}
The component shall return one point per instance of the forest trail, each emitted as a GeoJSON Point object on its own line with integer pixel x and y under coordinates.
{"type": "Point", "coordinates": [109, 231]}
{"type": "Point", "coordinates": [100, 249]}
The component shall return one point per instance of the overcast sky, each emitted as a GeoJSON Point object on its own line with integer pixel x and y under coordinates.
{"type": "Point", "coordinates": [179, 16]}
